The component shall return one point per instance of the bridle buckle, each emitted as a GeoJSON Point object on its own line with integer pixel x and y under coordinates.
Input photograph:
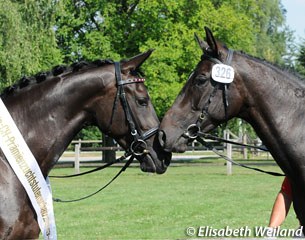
{"type": "Point", "coordinates": [202, 116]}
{"type": "Point", "coordinates": [134, 132]}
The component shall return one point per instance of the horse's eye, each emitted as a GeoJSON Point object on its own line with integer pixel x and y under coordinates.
{"type": "Point", "coordinates": [201, 79]}
{"type": "Point", "coordinates": [133, 72]}
{"type": "Point", "coordinates": [142, 101]}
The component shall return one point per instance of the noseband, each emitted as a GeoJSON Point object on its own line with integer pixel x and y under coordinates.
{"type": "Point", "coordinates": [193, 129]}
{"type": "Point", "coordinates": [138, 146]}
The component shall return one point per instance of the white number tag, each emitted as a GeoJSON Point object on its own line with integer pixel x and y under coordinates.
{"type": "Point", "coordinates": [222, 73]}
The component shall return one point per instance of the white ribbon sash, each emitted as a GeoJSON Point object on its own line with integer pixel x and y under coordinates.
{"type": "Point", "coordinates": [28, 172]}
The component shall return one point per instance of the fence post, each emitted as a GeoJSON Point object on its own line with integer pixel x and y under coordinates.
{"type": "Point", "coordinates": [77, 156]}
{"type": "Point", "coordinates": [193, 146]}
{"type": "Point", "coordinates": [229, 154]}
{"type": "Point", "coordinates": [108, 155]}
{"type": "Point", "coordinates": [245, 150]}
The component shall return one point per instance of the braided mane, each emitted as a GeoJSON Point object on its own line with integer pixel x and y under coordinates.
{"type": "Point", "coordinates": [55, 72]}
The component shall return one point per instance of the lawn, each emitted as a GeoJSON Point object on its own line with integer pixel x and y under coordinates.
{"type": "Point", "coordinates": [149, 206]}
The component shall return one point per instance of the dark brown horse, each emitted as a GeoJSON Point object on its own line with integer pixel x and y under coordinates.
{"type": "Point", "coordinates": [270, 99]}
{"type": "Point", "coordinates": [51, 108]}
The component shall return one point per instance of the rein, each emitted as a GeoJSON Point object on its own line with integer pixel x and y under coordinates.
{"type": "Point", "coordinates": [211, 137]}
{"type": "Point", "coordinates": [210, 147]}
{"type": "Point", "coordinates": [102, 188]}
{"type": "Point", "coordinates": [95, 169]}
{"type": "Point", "coordinates": [137, 148]}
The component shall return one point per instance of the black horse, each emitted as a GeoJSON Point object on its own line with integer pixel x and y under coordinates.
{"type": "Point", "coordinates": [270, 99]}
{"type": "Point", "coordinates": [51, 108]}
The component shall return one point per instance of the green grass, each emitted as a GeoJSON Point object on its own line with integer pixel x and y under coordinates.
{"type": "Point", "coordinates": [148, 206]}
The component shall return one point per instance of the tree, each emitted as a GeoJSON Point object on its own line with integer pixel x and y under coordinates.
{"type": "Point", "coordinates": [122, 28]}
{"type": "Point", "coordinates": [301, 60]}
{"type": "Point", "coordinates": [27, 40]}
{"type": "Point", "coordinates": [11, 33]}
{"type": "Point", "coordinates": [91, 29]}
{"type": "Point", "coordinates": [82, 30]}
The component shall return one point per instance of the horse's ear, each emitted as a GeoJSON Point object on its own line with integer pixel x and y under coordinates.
{"type": "Point", "coordinates": [202, 44]}
{"type": "Point", "coordinates": [211, 40]}
{"type": "Point", "coordinates": [136, 61]}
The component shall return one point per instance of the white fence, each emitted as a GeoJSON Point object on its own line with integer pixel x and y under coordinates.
{"type": "Point", "coordinates": [88, 155]}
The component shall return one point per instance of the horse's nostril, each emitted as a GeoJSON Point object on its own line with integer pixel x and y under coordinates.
{"type": "Point", "coordinates": [162, 138]}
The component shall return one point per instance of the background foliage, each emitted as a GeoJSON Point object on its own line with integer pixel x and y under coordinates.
{"type": "Point", "coordinates": [37, 35]}
{"type": "Point", "coordinates": [27, 38]}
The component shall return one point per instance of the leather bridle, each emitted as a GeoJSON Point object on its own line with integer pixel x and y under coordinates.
{"type": "Point", "coordinates": [138, 146]}
{"type": "Point", "coordinates": [193, 129]}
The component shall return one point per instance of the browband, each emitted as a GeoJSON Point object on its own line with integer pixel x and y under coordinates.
{"type": "Point", "coordinates": [130, 80]}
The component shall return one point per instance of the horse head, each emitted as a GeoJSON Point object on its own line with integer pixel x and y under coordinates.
{"type": "Point", "coordinates": [205, 101]}
{"type": "Point", "coordinates": [131, 118]}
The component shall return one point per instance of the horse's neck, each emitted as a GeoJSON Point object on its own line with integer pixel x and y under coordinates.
{"type": "Point", "coordinates": [273, 107]}
{"type": "Point", "coordinates": [48, 120]}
